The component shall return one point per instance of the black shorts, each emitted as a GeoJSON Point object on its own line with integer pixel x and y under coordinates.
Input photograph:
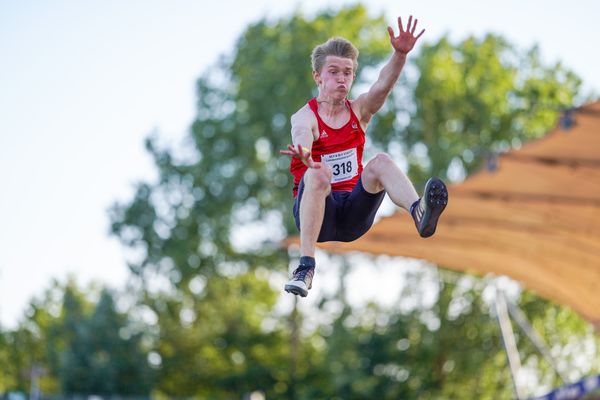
{"type": "Point", "coordinates": [348, 215]}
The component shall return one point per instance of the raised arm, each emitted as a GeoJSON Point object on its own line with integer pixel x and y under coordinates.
{"type": "Point", "coordinates": [304, 133]}
{"type": "Point", "coordinates": [369, 103]}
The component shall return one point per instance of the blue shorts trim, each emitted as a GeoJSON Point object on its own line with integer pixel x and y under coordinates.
{"type": "Point", "coordinates": [348, 215]}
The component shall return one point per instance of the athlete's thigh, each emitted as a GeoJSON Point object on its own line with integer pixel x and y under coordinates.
{"type": "Point", "coordinates": [359, 212]}
{"type": "Point", "coordinates": [329, 224]}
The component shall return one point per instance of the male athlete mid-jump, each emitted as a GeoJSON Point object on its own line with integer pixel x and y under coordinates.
{"type": "Point", "coordinates": [336, 199]}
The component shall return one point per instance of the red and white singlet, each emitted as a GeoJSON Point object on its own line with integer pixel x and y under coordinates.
{"type": "Point", "coordinates": [341, 149]}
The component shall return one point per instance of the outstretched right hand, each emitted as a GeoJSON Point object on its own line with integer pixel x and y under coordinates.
{"type": "Point", "coordinates": [405, 41]}
{"type": "Point", "coordinates": [301, 153]}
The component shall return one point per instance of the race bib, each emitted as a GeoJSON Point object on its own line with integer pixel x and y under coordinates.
{"type": "Point", "coordinates": [344, 165]}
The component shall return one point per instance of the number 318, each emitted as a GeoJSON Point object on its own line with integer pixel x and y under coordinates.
{"type": "Point", "coordinates": [342, 168]}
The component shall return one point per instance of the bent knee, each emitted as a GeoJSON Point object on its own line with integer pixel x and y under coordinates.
{"type": "Point", "coordinates": [382, 159]}
{"type": "Point", "coordinates": [381, 162]}
{"type": "Point", "coordinates": [318, 178]}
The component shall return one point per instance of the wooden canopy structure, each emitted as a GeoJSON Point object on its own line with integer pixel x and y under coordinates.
{"type": "Point", "coordinates": [535, 217]}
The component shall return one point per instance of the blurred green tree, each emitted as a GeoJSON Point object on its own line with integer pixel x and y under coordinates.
{"type": "Point", "coordinates": [116, 353]}
{"type": "Point", "coordinates": [15, 360]}
{"type": "Point", "coordinates": [101, 355]}
{"type": "Point", "coordinates": [198, 228]}
{"type": "Point", "coordinates": [204, 240]}
{"type": "Point", "coordinates": [204, 235]}
{"type": "Point", "coordinates": [76, 347]}
{"type": "Point", "coordinates": [474, 99]}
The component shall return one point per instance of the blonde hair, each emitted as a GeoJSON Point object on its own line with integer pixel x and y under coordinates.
{"type": "Point", "coordinates": [336, 46]}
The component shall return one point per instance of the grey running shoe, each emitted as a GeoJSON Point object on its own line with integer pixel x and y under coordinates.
{"type": "Point", "coordinates": [428, 208]}
{"type": "Point", "coordinates": [301, 280]}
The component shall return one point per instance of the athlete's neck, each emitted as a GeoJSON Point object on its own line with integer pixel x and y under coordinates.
{"type": "Point", "coordinates": [331, 107]}
{"type": "Point", "coordinates": [332, 102]}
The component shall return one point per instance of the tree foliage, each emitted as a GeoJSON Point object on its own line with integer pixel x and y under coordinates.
{"type": "Point", "coordinates": [469, 99]}
{"type": "Point", "coordinates": [480, 97]}
{"type": "Point", "coordinates": [208, 269]}
{"type": "Point", "coordinates": [77, 346]}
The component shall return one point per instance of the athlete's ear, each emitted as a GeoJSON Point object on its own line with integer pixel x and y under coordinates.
{"type": "Point", "coordinates": [317, 77]}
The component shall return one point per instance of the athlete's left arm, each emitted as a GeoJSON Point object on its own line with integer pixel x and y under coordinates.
{"type": "Point", "coordinates": [369, 103]}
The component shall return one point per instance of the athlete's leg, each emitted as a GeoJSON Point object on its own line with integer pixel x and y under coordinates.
{"type": "Point", "coordinates": [317, 186]}
{"type": "Point", "coordinates": [313, 195]}
{"type": "Point", "coordinates": [358, 212]}
{"type": "Point", "coordinates": [382, 173]}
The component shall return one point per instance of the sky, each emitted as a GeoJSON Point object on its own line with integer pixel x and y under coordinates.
{"type": "Point", "coordinates": [83, 83]}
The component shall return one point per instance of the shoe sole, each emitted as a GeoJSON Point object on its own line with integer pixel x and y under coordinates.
{"type": "Point", "coordinates": [296, 290]}
{"type": "Point", "coordinates": [436, 198]}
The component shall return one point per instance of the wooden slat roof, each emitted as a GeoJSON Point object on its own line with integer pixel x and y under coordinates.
{"type": "Point", "coordinates": [535, 218]}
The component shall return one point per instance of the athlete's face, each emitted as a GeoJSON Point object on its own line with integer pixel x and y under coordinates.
{"type": "Point", "coordinates": [336, 77]}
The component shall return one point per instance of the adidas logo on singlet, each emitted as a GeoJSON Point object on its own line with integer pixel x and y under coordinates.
{"type": "Point", "coordinates": [324, 135]}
